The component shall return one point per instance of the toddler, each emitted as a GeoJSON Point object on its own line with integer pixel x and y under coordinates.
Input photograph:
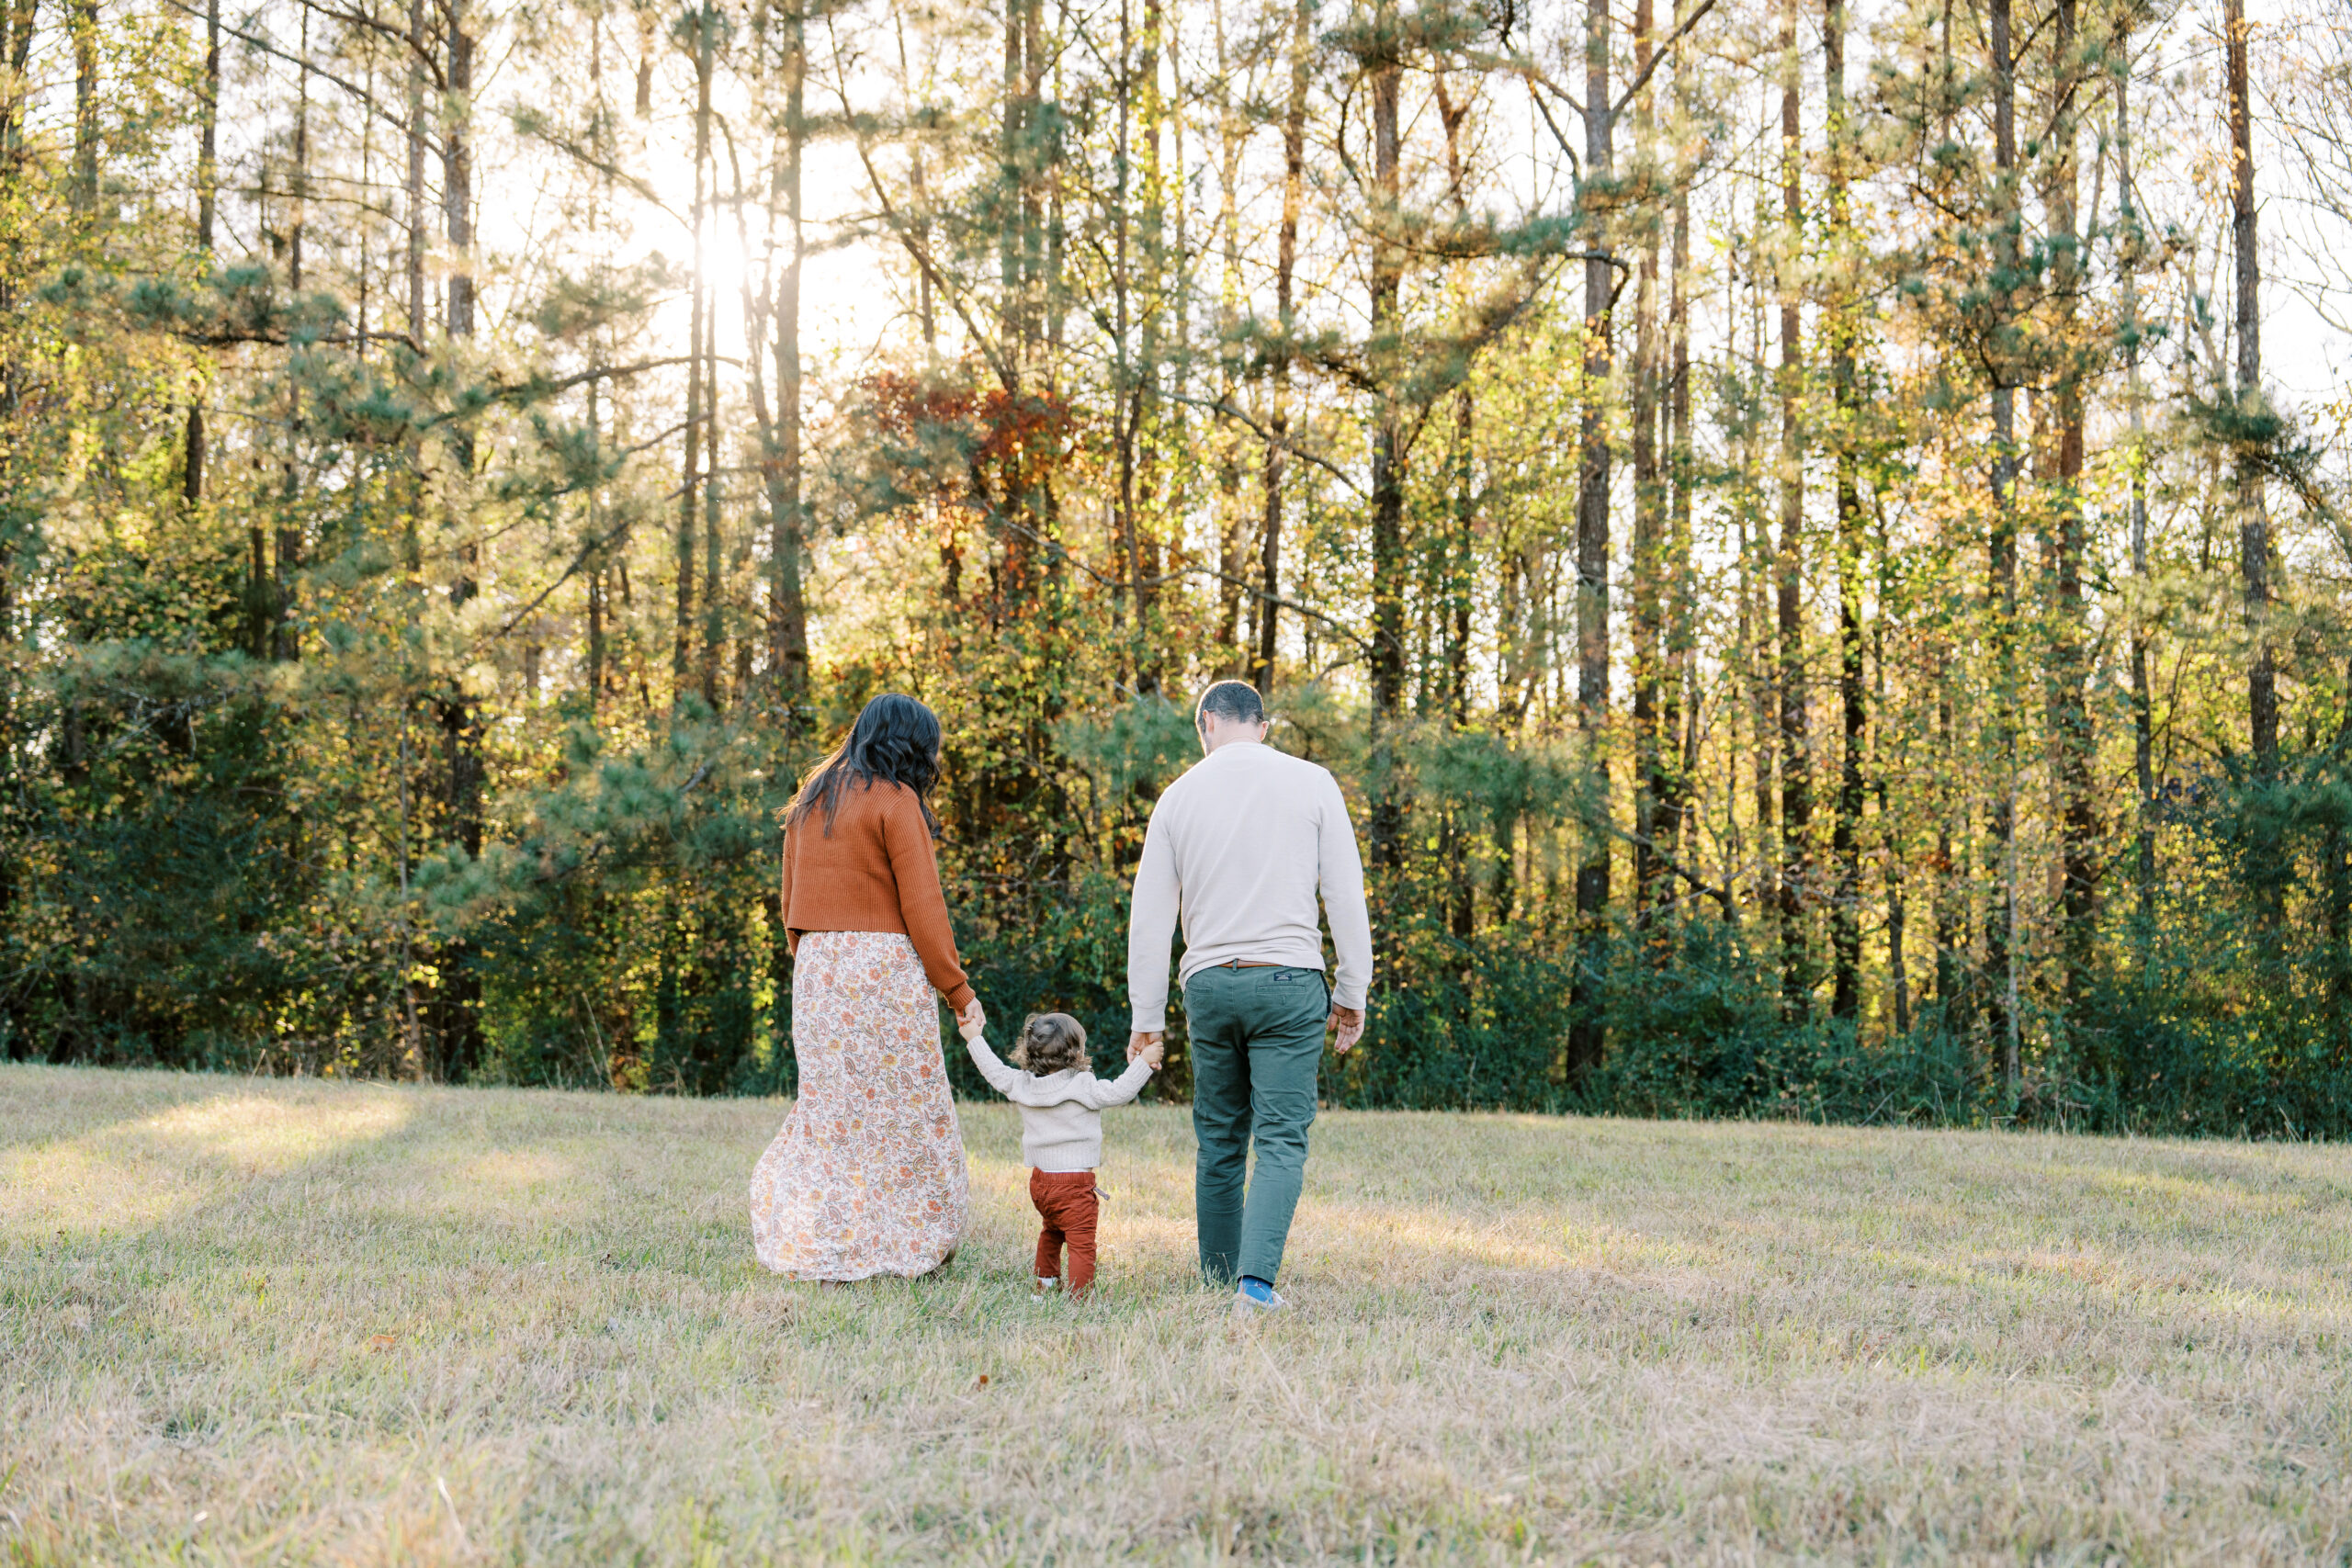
{"type": "Point", "coordinates": [1061, 1101]}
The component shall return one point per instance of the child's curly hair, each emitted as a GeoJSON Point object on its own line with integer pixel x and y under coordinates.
{"type": "Point", "coordinates": [1051, 1042]}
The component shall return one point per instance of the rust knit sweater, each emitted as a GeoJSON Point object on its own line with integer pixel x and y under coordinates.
{"type": "Point", "coordinates": [874, 870]}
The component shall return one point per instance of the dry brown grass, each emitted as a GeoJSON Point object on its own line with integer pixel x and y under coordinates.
{"type": "Point", "coordinates": [249, 1321]}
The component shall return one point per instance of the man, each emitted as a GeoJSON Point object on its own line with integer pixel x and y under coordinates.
{"type": "Point", "coordinates": [1239, 846]}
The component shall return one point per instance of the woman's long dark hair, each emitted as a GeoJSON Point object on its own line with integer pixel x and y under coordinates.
{"type": "Point", "coordinates": [897, 739]}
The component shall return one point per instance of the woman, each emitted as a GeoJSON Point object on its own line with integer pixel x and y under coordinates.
{"type": "Point", "coordinates": [867, 1176]}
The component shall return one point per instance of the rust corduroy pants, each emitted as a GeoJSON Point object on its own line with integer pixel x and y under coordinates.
{"type": "Point", "coordinates": [1068, 1203]}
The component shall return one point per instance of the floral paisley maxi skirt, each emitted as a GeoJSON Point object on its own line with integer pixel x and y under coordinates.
{"type": "Point", "coordinates": [867, 1176]}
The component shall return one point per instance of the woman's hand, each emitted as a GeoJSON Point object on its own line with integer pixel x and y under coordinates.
{"type": "Point", "coordinates": [973, 1020]}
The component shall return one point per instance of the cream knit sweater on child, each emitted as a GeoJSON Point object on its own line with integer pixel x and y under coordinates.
{"type": "Point", "coordinates": [1062, 1114]}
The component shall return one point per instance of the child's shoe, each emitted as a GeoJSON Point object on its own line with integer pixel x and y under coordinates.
{"type": "Point", "coordinates": [1044, 1284]}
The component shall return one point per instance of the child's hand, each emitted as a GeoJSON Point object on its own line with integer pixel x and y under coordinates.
{"type": "Point", "coordinates": [1155, 1054]}
{"type": "Point", "coordinates": [972, 1021]}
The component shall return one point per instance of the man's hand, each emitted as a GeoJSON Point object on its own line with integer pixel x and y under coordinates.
{"type": "Point", "coordinates": [1154, 1054]}
{"type": "Point", "coordinates": [1348, 1023]}
{"type": "Point", "coordinates": [972, 1021]}
{"type": "Point", "coordinates": [1142, 1040]}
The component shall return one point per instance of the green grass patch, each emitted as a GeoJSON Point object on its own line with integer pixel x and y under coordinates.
{"type": "Point", "coordinates": [250, 1321]}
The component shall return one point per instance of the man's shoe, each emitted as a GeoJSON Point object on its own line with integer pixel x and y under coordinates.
{"type": "Point", "coordinates": [1255, 1297]}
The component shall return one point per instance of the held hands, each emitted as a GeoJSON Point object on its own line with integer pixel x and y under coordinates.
{"type": "Point", "coordinates": [972, 1021]}
{"type": "Point", "coordinates": [1348, 1021]}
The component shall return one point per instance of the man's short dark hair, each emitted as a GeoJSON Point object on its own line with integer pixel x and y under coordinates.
{"type": "Point", "coordinates": [1235, 702]}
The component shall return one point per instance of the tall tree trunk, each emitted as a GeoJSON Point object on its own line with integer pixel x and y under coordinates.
{"type": "Point", "coordinates": [2254, 522]}
{"type": "Point", "coordinates": [1388, 563]}
{"type": "Point", "coordinates": [461, 1025]}
{"type": "Point", "coordinates": [1462, 568]}
{"type": "Point", "coordinates": [1796, 736]}
{"type": "Point", "coordinates": [12, 1034]}
{"type": "Point", "coordinates": [691, 481]}
{"type": "Point", "coordinates": [1126, 395]}
{"type": "Point", "coordinates": [1680, 713]}
{"type": "Point", "coordinates": [407, 490]}
{"type": "Point", "coordinates": [1172, 290]}
{"type": "Point", "coordinates": [415, 184]}
{"type": "Point", "coordinates": [15, 95]}
{"type": "Point", "coordinates": [1232, 524]}
{"type": "Point", "coordinates": [277, 593]}
{"type": "Point", "coordinates": [82, 21]}
{"type": "Point", "coordinates": [714, 580]}
{"type": "Point", "coordinates": [1753, 547]}
{"type": "Point", "coordinates": [918, 196]}
{"type": "Point", "coordinates": [1840, 326]}
{"type": "Point", "coordinates": [1453, 557]}
{"type": "Point", "coordinates": [788, 601]}
{"type": "Point", "coordinates": [1954, 883]}
{"type": "Point", "coordinates": [598, 552]}
{"type": "Point", "coordinates": [596, 592]}
{"type": "Point", "coordinates": [458, 173]}
{"type": "Point", "coordinates": [1586, 1037]}
{"type": "Point", "coordinates": [1650, 512]}
{"type": "Point", "coordinates": [1143, 384]}
{"type": "Point", "coordinates": [2143, 729]}
{"type": "Point", "coordinates": [1763, 716]}
{"type": "Point", "coordinates": [1023, 247]}
{"type": "Point", "coordinates": [1898, 963]}
{"type": "Point", "coordinates": [1011, 155]}
{"type": "Point", "coordinates": [1270, 543]}
{"type": "Point", "coordinates": [208, 193]}
{"type": "Point", "coordinates": [418, 1051]}
{"type": "Point", "coordinates": [714, 607]}
{"type": "Point", "coordinates": [2001, 924]}
{"type": "Point", "coordinates": [645, 16]}
{"type": "Point", "coordinates": [257, 594]}
{"type": "Point", "coordinates": [1034, 181]}
{"type": "Point", "coordinates": [2337, 849]}
{"type": "Point", "coordinates": [2070, 716]}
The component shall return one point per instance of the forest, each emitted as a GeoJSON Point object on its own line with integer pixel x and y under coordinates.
{"type": "Point", "coordinates": [1776, 513]}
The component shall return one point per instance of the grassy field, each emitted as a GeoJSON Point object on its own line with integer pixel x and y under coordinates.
{"type": "Point", "coordinates": [248, 1322]}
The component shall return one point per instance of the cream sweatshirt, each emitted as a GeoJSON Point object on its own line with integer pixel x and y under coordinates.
{"type": "Point", "coordinates": [1062, 1114]}
{"type": "Point", "coordinates": [1238, 848]}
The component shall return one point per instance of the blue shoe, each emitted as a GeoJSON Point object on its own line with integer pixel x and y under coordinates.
{"type": "Point", "coordinates": [1256, 1296]}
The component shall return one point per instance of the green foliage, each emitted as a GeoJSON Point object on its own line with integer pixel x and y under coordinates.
{"type": "Point", "coordinates": [408, 639]}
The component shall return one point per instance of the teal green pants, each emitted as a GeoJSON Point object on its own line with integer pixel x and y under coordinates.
{"type": "Point", "coordinates": [1257, 1042]}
